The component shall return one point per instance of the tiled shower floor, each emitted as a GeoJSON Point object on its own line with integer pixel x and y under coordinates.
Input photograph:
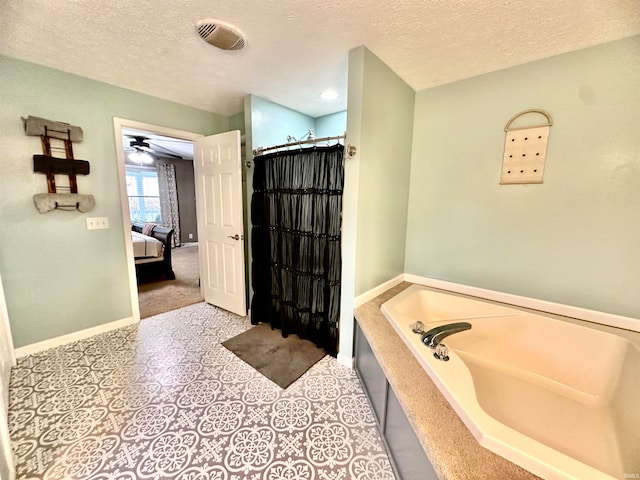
{"type": "Point", "coordinates": [164, 400]}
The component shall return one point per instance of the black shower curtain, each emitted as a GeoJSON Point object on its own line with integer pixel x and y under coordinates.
{"type": "Point", "coordinates": [296, 215]}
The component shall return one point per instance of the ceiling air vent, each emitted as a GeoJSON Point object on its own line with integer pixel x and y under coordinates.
{"type": "Point", "coordinates": [221, 34]}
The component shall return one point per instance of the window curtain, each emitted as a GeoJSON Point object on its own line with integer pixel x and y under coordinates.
{"type": "Point", "coordinates": [296, 215]}
{"type": "Point", "coordinates": [169, 200]}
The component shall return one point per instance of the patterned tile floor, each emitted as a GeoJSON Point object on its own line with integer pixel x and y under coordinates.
{"type": "Point", "coordinates": [164, 400]}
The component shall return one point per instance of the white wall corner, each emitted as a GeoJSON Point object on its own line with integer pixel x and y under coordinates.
{"type": "Point", "coordinates": [375, 291]}
{"type": "Point", "coordinates": [345, 360]}
{"type": "Point", "coordinates": [347, 333]}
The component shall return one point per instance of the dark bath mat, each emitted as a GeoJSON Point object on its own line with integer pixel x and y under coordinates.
{"type": "Point", "coordinates": [281, 360]}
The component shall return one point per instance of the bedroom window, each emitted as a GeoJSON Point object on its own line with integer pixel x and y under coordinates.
{"type": "Point", "coordinates": [143, 193]}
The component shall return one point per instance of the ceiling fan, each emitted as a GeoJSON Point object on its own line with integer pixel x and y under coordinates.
{"type": "Point", "coordinates": [140, 143]}
{"type": "Point", "coordinates": [139, 151]}
{"type": "Point", "coordinates": [144, 150]}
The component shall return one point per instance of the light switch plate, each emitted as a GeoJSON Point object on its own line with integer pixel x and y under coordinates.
{"type": "Point", "coordinates": [97, 223]}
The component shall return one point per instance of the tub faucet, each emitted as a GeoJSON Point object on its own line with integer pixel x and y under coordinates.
{"type": "Point", "coordinates": [434, 336]}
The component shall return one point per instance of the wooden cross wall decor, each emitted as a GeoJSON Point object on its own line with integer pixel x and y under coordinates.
{"type": "Point", "coordinates": [50, 165]}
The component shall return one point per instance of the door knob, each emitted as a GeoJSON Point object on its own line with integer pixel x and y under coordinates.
{"type": "Point", "coordinates": [235, 237]}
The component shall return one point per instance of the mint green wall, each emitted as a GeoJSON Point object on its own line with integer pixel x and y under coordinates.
{"type": "Point", "coordinates": [379, 124]}
{"type": "Point", "coordinates": [574, 239]}
{"type": "Point", "coordinates": [236, 122]}
{"type": "Point", "coordinates": [386, 121]}
{"type": "Point", "coordinates": [331, 125]}
{"type": "Point", "coordinates": [350, 204]}
{"type": "Point", "coordinates": [271, 123]}
{"type": "Point", "coordinates": [58, 277]}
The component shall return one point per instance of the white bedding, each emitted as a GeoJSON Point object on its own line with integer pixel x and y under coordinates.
{"type": "Point", "coordinates": [145, 246]}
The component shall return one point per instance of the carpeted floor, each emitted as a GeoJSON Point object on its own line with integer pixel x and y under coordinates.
{"type": "Point", "coordinates": [167, 295]}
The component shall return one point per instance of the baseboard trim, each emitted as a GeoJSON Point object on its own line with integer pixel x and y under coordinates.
{"type": "Point", "coordinates": [72, 337]}
{"type": "Point", "coordinates": [375, 291]}
{"type": "Point", "coordinates": [345, 360]}
{"type": "Point", "coordinates": [594, 316]}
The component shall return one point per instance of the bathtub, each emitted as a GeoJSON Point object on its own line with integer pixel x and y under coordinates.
{"type": "Point", "coordinates": [560, 399]}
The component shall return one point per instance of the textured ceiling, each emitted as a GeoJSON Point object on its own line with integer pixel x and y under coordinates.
{"type": "Point", "coordinates": [296, 49]}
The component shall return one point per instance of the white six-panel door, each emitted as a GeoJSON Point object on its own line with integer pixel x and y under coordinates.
{"type": "Point", "coordinates": [218, 178]}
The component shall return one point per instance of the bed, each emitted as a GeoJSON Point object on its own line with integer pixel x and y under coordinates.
{"type": "Point", "coordinates": [152, 251]}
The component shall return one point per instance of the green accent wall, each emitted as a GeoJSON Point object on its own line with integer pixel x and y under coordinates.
{"type": "Point", "coordinates": [573, 239]}
{"type": "Point", "coordinates": [331, 125]}
{"type": "Point", "coordinates": [59, 277]}
{"type": "Point", "coordinates": [271, 123]}
{"type": "Point", "coordinates": [379, 124]}
{"type": "Point", "coordinates": [386, 128]}
{"type": "Point", "coordinates": [236, 122]}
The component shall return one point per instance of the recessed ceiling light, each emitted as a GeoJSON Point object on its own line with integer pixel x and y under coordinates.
{"type": "Point", "coordinates": [329, 95]}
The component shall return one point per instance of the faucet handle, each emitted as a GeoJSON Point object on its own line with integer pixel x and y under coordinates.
{"type": "Point", "coordinates": [442, 352]}
{"type": "Point", "coordinates": [418, 327]}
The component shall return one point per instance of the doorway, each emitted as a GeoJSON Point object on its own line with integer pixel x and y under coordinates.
{"type": "Point", "coordinates": [144, 302]}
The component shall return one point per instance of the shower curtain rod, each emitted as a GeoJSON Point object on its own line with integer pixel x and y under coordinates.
{"type": "Point", "coordinates": [261, 150]}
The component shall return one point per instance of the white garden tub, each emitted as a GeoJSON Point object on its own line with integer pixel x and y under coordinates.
{"type": "Point", "coordinates": [557, 398]}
